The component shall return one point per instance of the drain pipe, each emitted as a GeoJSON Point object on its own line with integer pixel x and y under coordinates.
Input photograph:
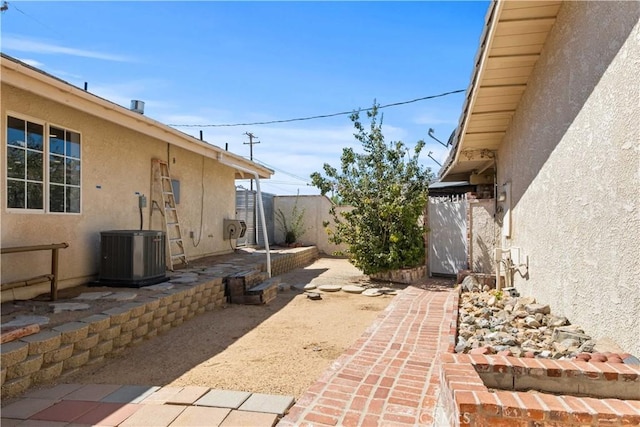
{"type": "Point", "coordinates": [260, 207]}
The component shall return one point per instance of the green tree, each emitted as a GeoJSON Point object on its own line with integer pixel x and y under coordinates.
{"type": "Point", "coordinates": [387, 188]}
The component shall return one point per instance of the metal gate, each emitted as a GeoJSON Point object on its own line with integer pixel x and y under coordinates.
{"type": "Point", "coordinates": [448, 236]}
{"type": "Point", "coordinates": [247, 210]}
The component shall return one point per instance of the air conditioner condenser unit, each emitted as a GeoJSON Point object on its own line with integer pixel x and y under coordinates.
{"type": "Point", "coordinates": [234, 229]}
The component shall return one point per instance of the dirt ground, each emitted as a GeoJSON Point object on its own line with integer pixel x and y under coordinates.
{"type": "Point", "coordinates": [278, 348]}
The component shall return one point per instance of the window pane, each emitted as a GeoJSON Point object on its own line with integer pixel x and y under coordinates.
{"type": "Point", "coordinates": [15, 194]}
{"type": "Point", "coordinates": [56, 198]}
{"type": "Point", "coordinates": [15, 132]}
{"type": "Point", "coordinates": [34, 136]}
{"type": "Point", "coordinates": [73, 172]}
{"type": "Point", "coordinates": [73, 199]}
{"type": "Point", "coordinates": [56, 169]}
{"type": "Point", "coordinates": [73, 144]}
{"type": "Point", "coordinates": [34, 165]}
{"type": "Point", "coordinates": [15, 162]}
{"type": "Point", "coordinates": [56, 140]}
{"type": "Point", "coordinates": [34, 195]}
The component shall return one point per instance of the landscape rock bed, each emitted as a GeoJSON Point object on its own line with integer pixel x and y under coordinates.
{"type": "Point", "coordinates": [495, 322]}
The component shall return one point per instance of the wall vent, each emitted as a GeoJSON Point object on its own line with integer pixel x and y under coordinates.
{"type": "Point", "coordinates": [132, 258]}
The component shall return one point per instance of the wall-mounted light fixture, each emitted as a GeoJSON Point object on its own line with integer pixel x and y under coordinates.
{"type": "Point", "coordinates": [502, 196]}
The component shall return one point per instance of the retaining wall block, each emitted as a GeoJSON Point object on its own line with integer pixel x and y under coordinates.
{"type": "Point", "coordinates": [72, 332]}
{"type": "Point", "coordinates": [13, 352]}
{"type": "Point", "coordinates": [43, 342]}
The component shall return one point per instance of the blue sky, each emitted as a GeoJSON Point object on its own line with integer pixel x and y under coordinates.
{"type": "Point", "coordinates": [204, 63]}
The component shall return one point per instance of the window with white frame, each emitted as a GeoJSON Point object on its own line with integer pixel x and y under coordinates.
{"type": "Point", "coordinates": [43, 167]}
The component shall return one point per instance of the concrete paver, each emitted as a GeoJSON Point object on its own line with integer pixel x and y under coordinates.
{"type": "Point", "coordinates": [130, 394]}
{"type": "Point", "coordinates": [92, 392]}
{"type": "Point", "coordinates": [66, 411]}
{"type": "Point", "coordinates": [107, 414]}
{"type": "Point", "coordinates": [223, 399]}
{"type": "Point", "coordinates": [56, 393]}
{"type": "Point", "coordinates": [259, 402]}
{"type": "Point", "coordinates": [187, 395]}
{"type": "Point", "coordinates": [23, 409]}
{"type": "Point", "coordinates": [243, 418]}
{"type": "Point", "coordinates": [154, 415]}
{"type": "Point", "coordinates": [161, 396]}
{"type": "Point", "coordinates": [198, 416]}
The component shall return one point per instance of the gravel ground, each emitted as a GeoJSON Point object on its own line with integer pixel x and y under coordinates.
{"type": "Point", "coordinates": [278, 348]}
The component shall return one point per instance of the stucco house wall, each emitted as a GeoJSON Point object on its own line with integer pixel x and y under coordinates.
{"type": "Point", "coordinates": [116, 168]}
{"type": "Point", "coordinates": [483, 235]}
{"type": "Point", "coordinates": [316, 212]}
{"type": "Point", "coordinates": [572, 156]}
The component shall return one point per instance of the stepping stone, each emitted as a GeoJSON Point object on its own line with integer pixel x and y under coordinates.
{"type": "Point", "coordinates": [159, 287]}
{"type": "Point", "coordinates": [309, 286]}
{"type": "Point", "coordinates": [183, 280]}
{"type": "Point", "coordinates": [388, 291]}
{"type": "Point", "coordinates": [353, 289]}
{"type": "Point", "coordinates": [21, 321]}
{"type": "Point", "coordinates": [330, 288]}
{"type": "Point", "coordinates": [69, 306]}
{"type": "Point", "coordinates": [188, 274]}
{"type": "Point", "coordinates": [121, 296]}
{"type": "Point", "coordinates": [314, 295]}
{"type": "Point", "coordinates": [92, 295]}
{"type": "Point", "coordinates": [372, 293]}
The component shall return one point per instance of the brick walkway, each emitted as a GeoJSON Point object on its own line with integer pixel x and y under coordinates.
{"type": "Point", "coordinates": [390, 376]}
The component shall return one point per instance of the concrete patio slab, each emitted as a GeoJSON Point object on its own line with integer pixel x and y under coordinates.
{"type": "Point", "coordinates": [161, 396]}
{"type": "Point", "coordinates": [92, 392]}
{"type": "Point", "coordinates": [65, 411]}
{"type": "Point", "coordinates": [187, 395]}
{"type": "Point", "coordinates": [57, 393]}
{"type": "Point", "coordinates": [107, 414]}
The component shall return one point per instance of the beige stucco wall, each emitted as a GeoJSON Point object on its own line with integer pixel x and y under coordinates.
{"type": "Point", "coordinates": [116, 165]}
{"type": "Point", "coordinates": [572, 154]}
{"type": "Point", "coordinates": [483, 235]}
{"type": "Point", "coordinates": [316, 212]}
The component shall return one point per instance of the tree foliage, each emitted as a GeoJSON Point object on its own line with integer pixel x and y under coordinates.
{"type": "Point", "coordinates": [387, 188]}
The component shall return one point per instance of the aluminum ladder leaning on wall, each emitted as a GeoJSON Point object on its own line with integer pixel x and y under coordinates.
{"type": "Point", "coordinates": [175, 243]}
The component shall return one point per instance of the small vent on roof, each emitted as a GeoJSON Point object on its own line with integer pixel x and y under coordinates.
{"type": "Point", "coordinates": [137, 106]}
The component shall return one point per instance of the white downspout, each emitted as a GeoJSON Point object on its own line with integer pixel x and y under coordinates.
{"type": "Point", "coordinates": [260, 207]}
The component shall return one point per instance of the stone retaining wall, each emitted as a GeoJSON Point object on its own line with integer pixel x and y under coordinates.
{"type": "Point", "coordinates": [44, 356]}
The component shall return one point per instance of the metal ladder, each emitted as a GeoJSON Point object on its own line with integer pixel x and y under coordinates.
{"type": "Point", "coordinates": [175, 244]}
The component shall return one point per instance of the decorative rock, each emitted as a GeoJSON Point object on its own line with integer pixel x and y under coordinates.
{"type": "Point", "coordinates": [531, 322]}
{"type": "Point", "coordinates": [314, 296]}
{"type": "Point", "coordinates": [92, 295]}
{"type": "Point", "coordinates": [183, 280]}
{"type": "Point", "coordinates": [59, 307]}
{"type": "Point", "coordinates": [159, 287]}
{"type": "Point", "coordinates": [555, 321]}
{"type": "Point", "coordinates": [122, 296]}
{"type": "Point", "coordinates": [309, 286]}
{"type": "Point", "coordinates": [353, 289]}
{"type": "Point", "coordinates": [21, 321]}
{"type": "Point", "coordinates": [329, 288]}
{"type": "Point", "coordinates": [371, 293]}
{"type": "Point", "coordinates": [470, 284]}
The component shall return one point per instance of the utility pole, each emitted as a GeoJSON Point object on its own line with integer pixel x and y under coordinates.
{"type": "Point", "coordinates": [251, 142]}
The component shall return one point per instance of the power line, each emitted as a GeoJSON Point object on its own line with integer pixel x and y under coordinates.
{"type": "Point", "coordinates": [322, 116]}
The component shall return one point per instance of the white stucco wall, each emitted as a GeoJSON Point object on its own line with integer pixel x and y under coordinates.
{"type": "Point", "coordinates": [316, 212]}
{"type": "Point", "coordinates": [572, 154]}
{"type": "Point", "coordinates": [116, 164]}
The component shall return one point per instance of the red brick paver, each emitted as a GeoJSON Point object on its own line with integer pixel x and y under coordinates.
{"type": "Point", "coordinates": [390, 375]}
